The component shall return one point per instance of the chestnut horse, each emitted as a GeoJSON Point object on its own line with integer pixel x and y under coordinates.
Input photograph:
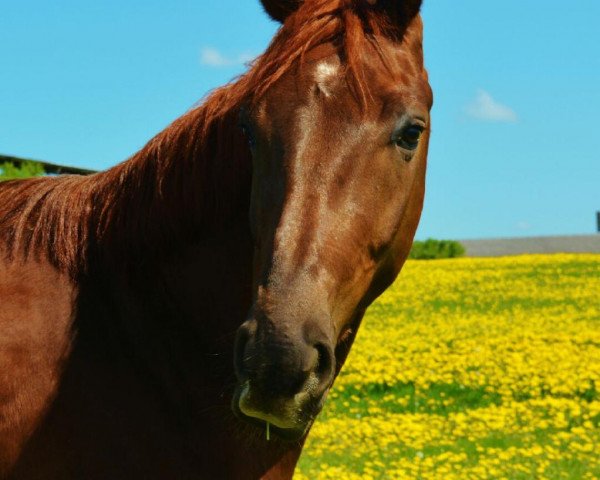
{"type": "Point", "coordinates": [157, 318]}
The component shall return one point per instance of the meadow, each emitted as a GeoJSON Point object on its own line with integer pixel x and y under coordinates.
{"type": "Point", "coordinates": [470, 369]}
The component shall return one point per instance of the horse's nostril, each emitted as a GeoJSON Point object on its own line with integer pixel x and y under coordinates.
{"type": "Point", "coordinates": [324, 364]}
{"type": "Point", "coordinates": [279, 364]}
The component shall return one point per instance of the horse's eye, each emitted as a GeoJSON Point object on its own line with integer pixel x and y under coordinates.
{"type": "Point", "coordinates": [248, 134]}
{"type": "Point", "coordinates": [409, 137]}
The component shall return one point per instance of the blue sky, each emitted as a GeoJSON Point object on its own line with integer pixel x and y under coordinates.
{"type": "Point", "coordinates": [515, 149]}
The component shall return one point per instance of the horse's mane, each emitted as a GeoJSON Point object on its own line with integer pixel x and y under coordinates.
{"type": "Point", "coordinates": [191, 176]}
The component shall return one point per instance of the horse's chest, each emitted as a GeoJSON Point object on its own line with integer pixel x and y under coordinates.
{"type": "Point", "coordinates": [36, 304]}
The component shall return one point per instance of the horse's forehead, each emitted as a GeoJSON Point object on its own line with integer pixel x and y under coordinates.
{"type": "Point", "coordinates": [389, 73]}
{"type": "Point", "coordinates": [393, 64]}
{"type": "Point", "coordinates": [392, 75]}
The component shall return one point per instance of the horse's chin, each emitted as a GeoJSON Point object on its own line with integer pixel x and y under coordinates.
{"type": "Point", "coordinates": [276, 428]}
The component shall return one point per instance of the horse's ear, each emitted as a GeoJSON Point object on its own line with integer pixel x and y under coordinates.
{"type": "Point", "coordinates": [411, 8]}
{"type": "Point", "coordinates": [279, 10]}
{"type": "Point", "coordinates": [403, 10]}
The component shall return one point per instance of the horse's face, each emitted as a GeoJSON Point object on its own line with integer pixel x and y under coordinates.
{"type": "Point", "coordinates": [336, 197]}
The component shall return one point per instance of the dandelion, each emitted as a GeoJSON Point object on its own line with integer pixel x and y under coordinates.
{"type": "Point", "coordinates": [470, 368]}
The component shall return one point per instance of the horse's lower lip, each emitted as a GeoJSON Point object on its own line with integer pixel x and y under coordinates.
{"type": "Point", "coordinates": [289, 434]}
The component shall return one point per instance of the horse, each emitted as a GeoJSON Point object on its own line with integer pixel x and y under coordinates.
{"type": "Point", "coordinates": [185, 313]}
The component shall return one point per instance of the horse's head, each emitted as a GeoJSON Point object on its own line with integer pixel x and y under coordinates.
{"type": "Point", "coordinates": [339, 138]}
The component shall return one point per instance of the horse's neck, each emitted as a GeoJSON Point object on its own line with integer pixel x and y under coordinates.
{"type": "Point", "coordinates": [173, 247]}
{"type": "Point", "coordinates": [174, 251]}
{"type": "Point", "coordinates": [187, 184]}
{"type": "Point", "coordinates": [180, 211]}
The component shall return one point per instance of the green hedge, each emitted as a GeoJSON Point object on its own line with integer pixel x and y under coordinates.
{"type": "Point", "coordinates": [10, 171]}
{"type": "Point", "coordinates": [431, 249]}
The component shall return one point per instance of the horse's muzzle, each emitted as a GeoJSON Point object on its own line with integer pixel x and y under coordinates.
{"type": "Point", "coordinates": [283, 376]}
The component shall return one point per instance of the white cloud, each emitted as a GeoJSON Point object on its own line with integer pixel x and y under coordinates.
{"type": "Point", "coordinates": [484, 107]}
{"type": "Point", "coordinates": [522, 225]}
{"type": "Point", "coordinates": [212, 57]}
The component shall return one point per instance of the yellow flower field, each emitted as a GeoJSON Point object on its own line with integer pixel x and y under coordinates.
{"type": "Point", "coordinates": [470, 369]}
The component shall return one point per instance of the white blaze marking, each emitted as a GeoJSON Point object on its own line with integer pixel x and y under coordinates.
{"type": "Point", "coordinates": [325, 74]}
